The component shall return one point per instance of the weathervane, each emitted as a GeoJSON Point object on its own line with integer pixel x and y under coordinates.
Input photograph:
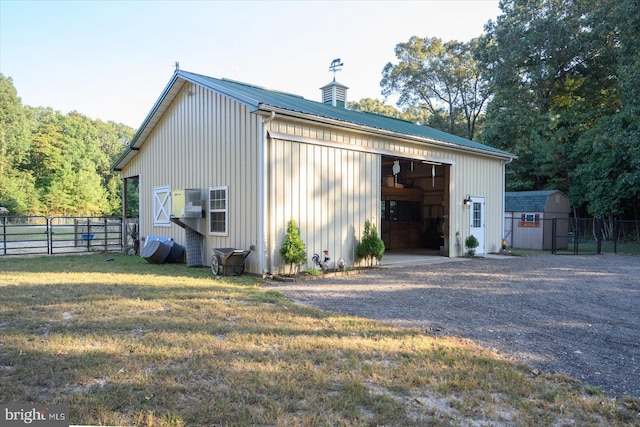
{"type": "Point", "coordinates": [335, 66]}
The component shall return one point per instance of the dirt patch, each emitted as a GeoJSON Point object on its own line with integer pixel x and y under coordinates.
{"type": "Point", "coordinates": [574, 314]}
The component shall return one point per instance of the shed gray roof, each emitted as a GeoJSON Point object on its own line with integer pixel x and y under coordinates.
{"type": "Point", "coordinates": [527, 201]}
{"type": "Point", "coordinates": [258, 98]}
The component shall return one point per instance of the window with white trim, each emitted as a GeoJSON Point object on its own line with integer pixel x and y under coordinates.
{"type": "Point", "coordinates": [529, 220]}
{"type": "Point", "coordinates": [162, 206]}
{"type": "Point", "coordinates": [218, 210]}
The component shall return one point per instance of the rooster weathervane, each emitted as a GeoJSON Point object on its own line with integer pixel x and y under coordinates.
{"type": "Point", "coordinates": [336, 65]}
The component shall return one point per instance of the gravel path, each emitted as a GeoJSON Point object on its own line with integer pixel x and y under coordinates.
{"type": "Point", "coordinates": [574, 314]}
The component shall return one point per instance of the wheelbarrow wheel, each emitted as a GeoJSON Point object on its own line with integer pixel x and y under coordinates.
{"type": "Point", "coordinates": [215, 264]}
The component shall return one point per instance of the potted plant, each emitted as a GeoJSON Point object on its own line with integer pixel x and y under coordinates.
{"type": "Point", "coordinates": [371, 246]}
{"type": "Point", "coordinates": [293, 249]}
{"type": "Point", "coordinates": [471, 243]}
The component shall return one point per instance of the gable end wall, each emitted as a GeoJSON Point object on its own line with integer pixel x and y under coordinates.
{"type": "Point", "coordinates": [204, 140]}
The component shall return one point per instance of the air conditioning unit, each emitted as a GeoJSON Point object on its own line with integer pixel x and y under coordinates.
{"type": "Point", "coordinates": [188, 203]}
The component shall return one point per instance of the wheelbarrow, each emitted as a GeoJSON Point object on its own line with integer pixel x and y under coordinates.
{"type": "Point", "coordinates": [228, 261]}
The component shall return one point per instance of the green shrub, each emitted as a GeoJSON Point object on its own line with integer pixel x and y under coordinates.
{"type": "Point", "coordinates": [371, 246]}
{"type": "Point", "coordinates": [293, 249]}
{"type": "Point", "coordinates": [471, 243]}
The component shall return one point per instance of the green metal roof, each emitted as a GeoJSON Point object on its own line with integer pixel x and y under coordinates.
{"type": "Point", "coordinates": [258, 97]}
{"type": "Point", "coordinates": [527, 201]}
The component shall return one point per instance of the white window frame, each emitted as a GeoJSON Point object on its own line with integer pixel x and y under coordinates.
{"type": "Point", "coordinates": [218, 210]}
{"type": "Point", "coordinates": [529, 220]}
{"type": "Point", "coordinates": [162, 206]}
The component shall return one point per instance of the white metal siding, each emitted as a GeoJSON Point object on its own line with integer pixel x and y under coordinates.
{"type": "Point", "coordinates": [481, 177]}
{"type": "Point", "coordinates": [469, 173]}
{"type": "Point", "coordinates": [204, 140]}
{"type": "Point", "coordinates": [330, 192]}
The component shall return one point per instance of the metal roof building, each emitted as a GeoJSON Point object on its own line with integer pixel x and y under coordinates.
{"type": "Point", "coordinates": [261, 157]}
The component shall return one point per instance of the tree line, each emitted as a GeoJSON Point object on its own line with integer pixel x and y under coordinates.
{"type": "Point", "coordinates": [54, 164]}
{"type": "Point", "coordinates": [555, 82]}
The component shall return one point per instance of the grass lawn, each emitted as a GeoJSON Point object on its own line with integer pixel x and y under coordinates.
{"type": "Point", "coordinates": [124, 342]}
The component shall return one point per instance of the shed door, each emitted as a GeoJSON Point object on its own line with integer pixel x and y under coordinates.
{"type": "Point", "coordinates": [161, 206]}
{"type": "Point", "coordinates": [477, 222]}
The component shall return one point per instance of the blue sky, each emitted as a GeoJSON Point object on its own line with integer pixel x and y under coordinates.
{"type": "Point", "coordinates": [110, 60]}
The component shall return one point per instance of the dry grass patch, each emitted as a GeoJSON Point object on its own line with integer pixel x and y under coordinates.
{"type": "Point", "coordinates": [124, 342]}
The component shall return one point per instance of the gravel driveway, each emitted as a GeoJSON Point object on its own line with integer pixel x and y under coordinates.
{"type": "Point", "coordinates": [574, 314]}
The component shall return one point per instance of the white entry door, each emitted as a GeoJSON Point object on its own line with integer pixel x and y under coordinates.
{"type": "Point", "coordinates": [477, 222]}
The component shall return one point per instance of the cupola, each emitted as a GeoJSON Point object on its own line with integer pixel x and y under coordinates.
{"type": "Point", "coordinates": [335, 93]}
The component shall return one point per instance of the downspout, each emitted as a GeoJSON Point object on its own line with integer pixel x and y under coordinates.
{"type": "Point", "coordinates": [264, 230]}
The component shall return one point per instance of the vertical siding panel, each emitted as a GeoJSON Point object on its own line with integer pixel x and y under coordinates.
{"type": "Point", "coordinates": [279, 186]}
{"type": "Point", "coordinates": [325, 206]}
{"type": "Point", "coordinates": [304, 189]}
{"type": "Point", "coordinates": [241, 173]}
{"type": "Point", "coordinates": [296, 190]}
{"type": "Point", "coordinates": [310, 191]}
{"type": "Point", "coordinates": [346, 192]}
{"type": "Point", "coordinates": [287, 184]}
{"type": "Point", "coordinates": [241, 190]}
{"type": "Point", "coordinates": [193, 146]}
{"type": "Point", "coordinates": [353, 205]}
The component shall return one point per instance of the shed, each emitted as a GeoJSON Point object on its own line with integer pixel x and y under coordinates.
{"type": "Point", "coordinates": [529, 217]}
{"type": "Point", "coordinates": [243, 160]}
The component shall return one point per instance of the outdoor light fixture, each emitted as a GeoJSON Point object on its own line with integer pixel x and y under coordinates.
{"type": "Point", "coordinates": [467, 201]}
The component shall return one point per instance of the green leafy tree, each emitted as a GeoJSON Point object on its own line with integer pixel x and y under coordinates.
{"type": "Point", "coordinates": [55, 164]}
{"type": "Point", "coordinates": [133, 198]}
{"type": "Point", "coordinates": [411, 114]}
{"type": "Point", "coordinates": [374, 106]}
{"type": "Point", "coordinates": [607, 181]}
{"type": "Point", "coordinates": [567, 105]}
{"type": "Point", "coordinates": [536, 81]}
{"type": "Point", "coordinates": [371, 247]}
{"type": "Point", "coordinates": [17, 191]}
{"type": "Point", "coordinates": [293, 249]}
{"type": "Point", "coordinates": [14, 128]}
{"type": "Point", "coordinates": [442, 78]}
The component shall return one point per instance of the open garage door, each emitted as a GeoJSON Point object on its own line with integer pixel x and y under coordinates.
{"type": "Point", "coordinates": [413, 204]}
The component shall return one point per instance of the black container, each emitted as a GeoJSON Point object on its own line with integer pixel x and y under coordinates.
{"type": "Point", "coordinates": [176, 251]}
{"type": "Point", "coordinates": [156, 252]}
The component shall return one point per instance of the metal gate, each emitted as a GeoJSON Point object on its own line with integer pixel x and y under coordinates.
{"type": "Point", "coordinates": [38, 235]}
{"type": "Point", "coordinates": [595, 236]}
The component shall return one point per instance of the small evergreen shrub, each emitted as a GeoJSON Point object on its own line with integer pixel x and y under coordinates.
{"type": "Point", "coordinates": [471, 243]}
{"type": "Point", "coordinates": [371, 246]}
{"type": "Point", "coordinates": [293, 249]}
